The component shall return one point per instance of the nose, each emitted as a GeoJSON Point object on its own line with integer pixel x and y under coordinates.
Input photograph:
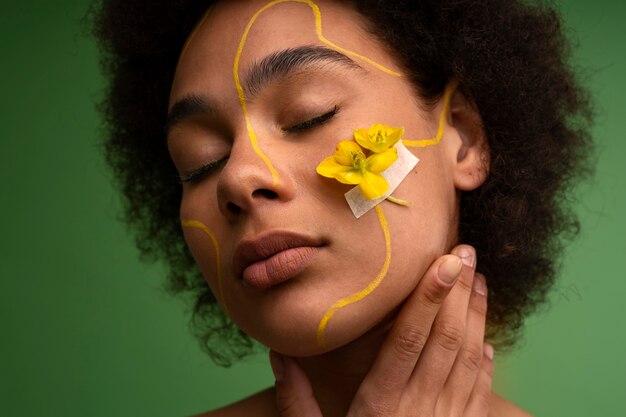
{"type": "Point", "coordinates": [246, 183]}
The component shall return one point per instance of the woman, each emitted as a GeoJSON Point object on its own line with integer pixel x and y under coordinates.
{"type": "Point", "coordinates": [330, 155]}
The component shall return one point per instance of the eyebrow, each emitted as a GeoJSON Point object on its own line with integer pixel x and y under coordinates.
{"type": "Point", "coordinates": [282, 63]}
{"type": "Point", "coordinates": [274, 66]}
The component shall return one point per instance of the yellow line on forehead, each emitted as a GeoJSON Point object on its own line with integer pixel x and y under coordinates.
{"type": "Point", "coordinates": [447, 97]}
{"type": "Point", "coordinates": [240, 92]}
{"type": "Point", "coordinates": [193, 33]}
{"type": "Point", "coordinates": [321, 328]}
{"type": "Point", "coordinates": [195, 224]}
{"type": "Point", "coordinates": [321, 37]}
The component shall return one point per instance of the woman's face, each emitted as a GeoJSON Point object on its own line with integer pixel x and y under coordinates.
{"type": "Point", "coordinates": [280, 248]}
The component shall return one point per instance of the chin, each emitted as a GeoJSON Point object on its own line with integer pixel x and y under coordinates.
{"type": "Point", "coordinates": [293, 329]}
{"type": "Point", "coordinates": [286, 317]}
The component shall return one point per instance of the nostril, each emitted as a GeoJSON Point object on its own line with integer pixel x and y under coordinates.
{"type": "Point", "coordinates": [265, 193]}
{"type": "Point", "coordinates": [233, 208]}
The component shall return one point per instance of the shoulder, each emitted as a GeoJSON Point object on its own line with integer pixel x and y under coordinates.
{"type": "Point", "coordinates": [500, 407]}
{"type": "Point", "coordinates": [261, 404]}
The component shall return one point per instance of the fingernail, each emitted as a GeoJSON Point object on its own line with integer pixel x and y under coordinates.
{"type": "Point", "coordinates": [449, 270]}
{"type": "Point", "coordinates": [278, 365]}
{"type": "Point", "coordinates": [467, 255]}
{"type": "Point", "coordinates": [488, 350]}
{"type": "Point", "coordinates": [479, 285]}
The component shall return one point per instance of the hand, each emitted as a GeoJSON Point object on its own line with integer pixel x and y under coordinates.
{"type": "Point", "coordinates": [433, 363]}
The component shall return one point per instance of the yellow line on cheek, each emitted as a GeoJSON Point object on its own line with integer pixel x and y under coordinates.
{"type": "Point", "coordinates": [447, 95]}
{"type": "Point", "coordinates": [321, 328]}
{"type": "Point", "coordinates": [195, 224]}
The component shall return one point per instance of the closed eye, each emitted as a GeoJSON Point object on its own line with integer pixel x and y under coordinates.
{"type": "Point", "coordinates": [200, 172]}
{"type": "Point", "coordinates": [316, 121]}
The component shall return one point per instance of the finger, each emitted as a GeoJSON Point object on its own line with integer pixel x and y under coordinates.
{"type": "Point", "coordinates": [479, 401]}
{"type": "Point", "coordinates": [406, 339]}
{"type": "Point", "coordinates": [447, 336]}
{"type": "Point", "coordinates": [294, 395]}
{"type": "Point", "coordinates": [464, 373]}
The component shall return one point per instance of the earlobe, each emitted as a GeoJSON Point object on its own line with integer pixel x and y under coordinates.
{"type": "Point", "coordinates": [472, 149]}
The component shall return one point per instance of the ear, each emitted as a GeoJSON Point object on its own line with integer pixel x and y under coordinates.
{"type": "Point", "coordinates": [471, 147]}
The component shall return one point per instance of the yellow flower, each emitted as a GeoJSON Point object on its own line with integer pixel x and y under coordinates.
{"type": "Point", "coordinates": [378, 138]}
{"type": "Point", "coordinates": [350, 165]}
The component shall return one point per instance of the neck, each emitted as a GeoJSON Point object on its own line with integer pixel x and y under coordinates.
{"type": "Point", "coordinates": [336, 376]}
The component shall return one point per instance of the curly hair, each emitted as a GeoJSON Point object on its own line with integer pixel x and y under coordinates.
{"type": "Point", "coordinates": [511, 58]}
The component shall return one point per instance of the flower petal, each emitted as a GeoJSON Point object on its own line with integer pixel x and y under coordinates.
{"type": "Point", "coordinates": [378, 162]}
{"type": "Point", "coordinates": [393, 135]}
{"type": "Point", "coordinates": [329, 167]}
{"type": "Point", "coordinates": [379, 137]}
{"type": "Point", "coordinates": [373, 185]}
{"type": "Point", "coordinates": [346, 151]}
{"type": "Point", "coordinates": [362, 137]}
{"type": "Point", "coordinates": [345, 174]}
{"type": "Point", "coordinates": [349, 176]}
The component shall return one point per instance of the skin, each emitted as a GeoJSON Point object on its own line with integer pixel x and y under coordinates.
{"type": "Point", "coordinates": [360, 370]}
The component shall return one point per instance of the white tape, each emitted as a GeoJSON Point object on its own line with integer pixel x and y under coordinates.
{"type": "Point", "coordinates": [394, 175]}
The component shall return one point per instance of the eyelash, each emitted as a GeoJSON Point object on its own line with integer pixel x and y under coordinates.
{"type": "Point", "coordinates": [205, 169]}
{"type": "Point", "coordinates": [316, 121]}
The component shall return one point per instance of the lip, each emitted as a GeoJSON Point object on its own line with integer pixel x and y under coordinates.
{"type": "Point", "coordinates": [274, 257]}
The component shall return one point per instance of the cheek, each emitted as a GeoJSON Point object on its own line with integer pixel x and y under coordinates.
{"type": "Point", "coordinates": [417, 242]}
{"type": "Point", "coordinates": [204, 250]}
{"type": "Point", "coordinates": [199, 201]}
{"type": "Point", "coordinates": [425, 230]}
{"type": "Point", "coordinates": [201, 237]}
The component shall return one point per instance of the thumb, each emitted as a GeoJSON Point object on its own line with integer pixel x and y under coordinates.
{"type": "Point", "coordinates": [294, 395]}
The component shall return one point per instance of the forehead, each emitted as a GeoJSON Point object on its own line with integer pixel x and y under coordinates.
{"type": "Point", "coordinates": [257, 29]}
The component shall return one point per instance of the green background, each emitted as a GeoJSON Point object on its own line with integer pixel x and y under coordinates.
{"type": "Point", "coordinates": [85, 328]}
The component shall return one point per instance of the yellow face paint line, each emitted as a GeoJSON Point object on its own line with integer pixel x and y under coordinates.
{"type": "Point", "coordinates": [320, 35]}
{"type": "Point", "coordinates": [447, 97]}
{"type": "Point", "coordinates": [354, 54]}
{"type": "Point", "coordinates": [321, 328]}
{"type": "Point", "coordinates": [242, 97]}
{"type": "Point", "coordinates": [319, 32]}
{"type": "Point", "coordinates": [195, 224]}
{"type": "Point", "coordinates": [193, 33]}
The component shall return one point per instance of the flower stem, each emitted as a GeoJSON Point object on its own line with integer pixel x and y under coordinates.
{"type": "Point", "coordinates": [399, 201]}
